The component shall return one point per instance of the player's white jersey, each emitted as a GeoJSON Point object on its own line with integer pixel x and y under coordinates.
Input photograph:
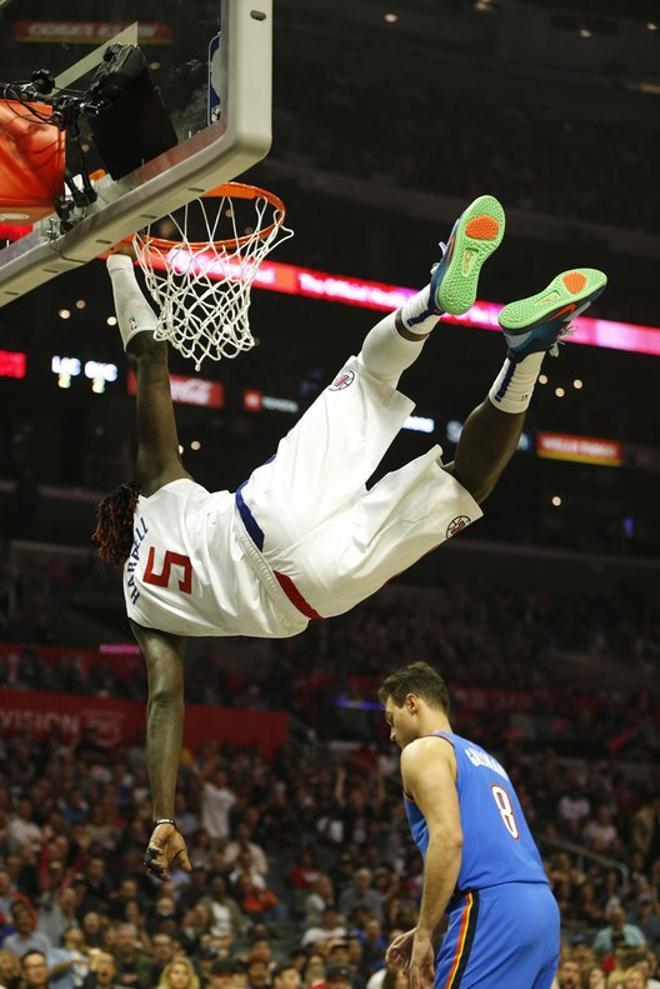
{"type": "Point", "coordinates": [194, 571]}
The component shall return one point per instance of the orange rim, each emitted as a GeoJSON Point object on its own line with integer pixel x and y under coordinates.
{"type": "Point", "coordinates": [231, 190]}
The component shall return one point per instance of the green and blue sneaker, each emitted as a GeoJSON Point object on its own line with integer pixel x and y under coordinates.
{"type": "Point", "coordinates": [539, 322]}
{"type": "Point", "coordinates": [475, 236]}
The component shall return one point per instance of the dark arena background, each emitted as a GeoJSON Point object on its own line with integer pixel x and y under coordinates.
{"type": "Point", "coordinates": [544, 618]}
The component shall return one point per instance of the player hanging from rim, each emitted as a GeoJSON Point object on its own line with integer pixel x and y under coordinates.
{"type": "Point", "coordinates": [481, 866]}
{"type": "Point", "coordinates": [303, 539]}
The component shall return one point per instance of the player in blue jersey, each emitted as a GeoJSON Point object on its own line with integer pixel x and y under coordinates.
{"type": "Point", "coordinates": [481, 865]}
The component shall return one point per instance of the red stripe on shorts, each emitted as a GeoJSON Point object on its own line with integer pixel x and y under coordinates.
{"type": "Point", "coordinates": [295, 597]}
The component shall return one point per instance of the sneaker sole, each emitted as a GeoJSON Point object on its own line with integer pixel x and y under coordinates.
{"type": "Point", "coordinates": [562, 297]}
{"type": "Point", "coordinates": [478, 234]}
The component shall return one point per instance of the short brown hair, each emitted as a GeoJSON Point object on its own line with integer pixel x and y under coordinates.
{"type": "Point", "coordinates": [417, 678]}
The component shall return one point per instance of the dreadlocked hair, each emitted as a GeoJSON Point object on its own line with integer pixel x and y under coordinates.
{"type": "Point", "coordinates": [114, 523]}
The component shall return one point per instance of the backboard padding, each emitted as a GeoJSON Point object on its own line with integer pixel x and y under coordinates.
{"type": "Point", "coordinates": [218, 153]}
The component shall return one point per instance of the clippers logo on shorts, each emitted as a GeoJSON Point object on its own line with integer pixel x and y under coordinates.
{"type": "Point", "coordinates": [343, 380]}
{"type": "Point", "coordinates": [457, 525]}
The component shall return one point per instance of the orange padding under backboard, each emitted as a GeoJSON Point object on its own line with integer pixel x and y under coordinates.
{"type": "Point", "coordinates": [32, 161]}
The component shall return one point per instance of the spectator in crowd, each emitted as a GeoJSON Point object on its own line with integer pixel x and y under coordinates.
{"type": "Point", "coordinates": [164, 916]}
{"type": "Point", "coordinates": [568, 975]}
{"type": "Point", "coordinates": [635, 978]}
{"type": "Point", "coordinates": [103, 833]}
{"type": "Point", "coordinates": [305, 874]}
{"type": "Point", "coordinates": [601, 832]}
{"type": "Point", "coordinates": [97, 885]}
{"type": "Point", "coordinates": [186, 820]}
{"type": "Point", "coordinates": [57, 913]}
{"type": "Point", "coordinates": [26, 937]}
{"type": "Point", "coordinates": [374, 945]}
{"type": "Point", "coordinates": [179, 974]}
{"type": "Point", "coordinates": [574, 805]}
{"type": "Point", "coordinates": [102, 971]}
{"type": "Point", "coordinates": [222, 974]}
{"type": "Point", "coordinates": [34, 970]}
{"type": "Point", "coordinates": [134, 968]}
{"type": "Point", "coordinates": [6, 892]}
{"type": "Point", "coordinates": [330, 928]}
{"type": "Point", "coordinates": [92, 929]}
{"type": "Point", "coordinates": [361, 894]}
{"type": "Point", "coordinates": [68, 965]}
{"type": "Point", "coordinates": [355, 961]}
{"type": "Point", "coordinates": [617, 934]}
{"type": "Point", "coordinates": [594, 978]}
{"type": "Point", "coordinates": [338, 977]}
{"type": "Point", "coordinates": [321, 897]}
{"type": "Point", "coordinates": [256, 901]}
{"type": "Point", "coordinates": [22, 830]}
{"type": "Point", "coordinates": [195, 889]}
{"type": "Point", "coordinates": [162, 952]}
{"type": "Point", "coordinates": [314, 971]}
{"type": "Point", "coordinates": [207, 956]}
{"type": "Point", "coordinates": [128, 892]}
{"type": "Point", "coordinates": [286, 976]}
{"type": "Point", "coordinates": [10, 969]}
{"type": "Point", "coordinates": [258, 974]}
{"type": "Point", "coordinates": [245, 866]}
{"type": "Point", "coordinates": [242, 843]}
{"type": "Point", "coordinates": [646, 919]}
{"type": "Point", "coordinates": [581, 951]}
{"type": "Point", "coordinates": [217, 801]}
{"type": "Point", "coordinates": [649, 966]}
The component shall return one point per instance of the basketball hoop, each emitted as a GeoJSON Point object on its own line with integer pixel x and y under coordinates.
{"type": "Point", "coordinates": [202, 286]}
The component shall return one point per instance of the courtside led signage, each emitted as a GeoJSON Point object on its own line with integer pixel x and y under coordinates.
{"type": "Point", "coordinates": [13, 364]}
{"type": "Point", "coordinates": [255, 400]}
{"type": "Point", "coordinates": [419, 424]}
{"type": "Point", "coordinates": [581, 449]}
{"type": "Point", "coordinates": [98, 372]}
{"type": "Point", "coordinates": [87, 32]}
{"type": "Point", "coordinates": [189, 391]}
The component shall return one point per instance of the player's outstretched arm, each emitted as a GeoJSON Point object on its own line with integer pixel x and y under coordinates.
{"type": "Point", "coordinates": [158, 459]}
{"type": "Point", "coordinates": [163, 654]}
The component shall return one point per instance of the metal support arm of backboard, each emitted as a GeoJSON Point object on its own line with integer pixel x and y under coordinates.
{"type": "Point", "coordinates": [241, 137]}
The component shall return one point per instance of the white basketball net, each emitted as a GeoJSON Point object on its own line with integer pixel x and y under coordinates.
{"type": "Point", "coordinates": [202, 287]}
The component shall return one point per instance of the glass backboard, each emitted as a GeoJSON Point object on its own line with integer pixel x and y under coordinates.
{"type": "Point", "coordinates": [211, 61]}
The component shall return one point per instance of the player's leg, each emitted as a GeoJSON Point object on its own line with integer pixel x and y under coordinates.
{"type": "Point", "coordinates": [158, 459]}
{"type": "Point", "coordinates": [532, 328]}
{"type": "Point", "coordinates": [397, 341]}
{"type": "Point", "coordinates": [412, 510]}
{"type": "Point", "coordinates": [323, 463]}
{"type": "Point", "coordinates": [408, 513]}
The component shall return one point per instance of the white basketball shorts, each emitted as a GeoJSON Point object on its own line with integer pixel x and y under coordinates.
{"type": "Point", "coordinates": [332, 539]}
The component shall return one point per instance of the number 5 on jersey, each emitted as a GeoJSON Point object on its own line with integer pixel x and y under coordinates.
{"type": "Point", "coordinates": [170, 560]}
{"type": "Point", "coordinates": [503, 801]}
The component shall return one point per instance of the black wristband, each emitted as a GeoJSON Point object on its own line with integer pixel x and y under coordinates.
{"type": "Point", "coordinates": [164, 820]}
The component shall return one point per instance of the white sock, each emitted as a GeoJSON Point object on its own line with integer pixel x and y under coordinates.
{"type": "Point", "coordinates": [417, 314]}
{"type": "Point", "coordinates": [513, 387]}
{"type": "Point", "coordinates": [396, 342]}
{"type": "Point", "coordinates": [386, 354]}
{"type": "Point", "coordinates": [134, 313]}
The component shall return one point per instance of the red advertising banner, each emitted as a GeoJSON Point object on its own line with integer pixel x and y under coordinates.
{"type": "Point", "coordinates": [581, 449]}
{"type": "Point", "coordinates": [120, 722]}
{"type": "Point", "coordinates": [189, 391]}
{"type": "Point", "coordinates": [88, 32]}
